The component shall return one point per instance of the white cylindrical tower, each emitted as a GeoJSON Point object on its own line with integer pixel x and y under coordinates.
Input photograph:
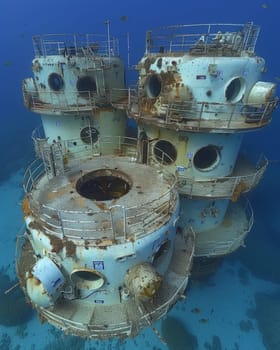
{"type": "Point", "coordinates": [101, 256]}
{"type": "Point", "coordinates": [75, 81]}
{"type": "Point", "coordinates": [199, 91]}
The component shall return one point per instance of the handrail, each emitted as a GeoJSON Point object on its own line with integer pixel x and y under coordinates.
{"type": "Point", "coordinates": [203, 38]}
{"type": "Point", "coordinates": [190, 114]}
{"type": "Point", "coordinates": [89, 223]}
{"type": "Point", "coordinates": [221, 247]}
{"type": "Point", "coordinates": [126, 327]}
{"type": "Point", "coordinates": [63, 223]}
{"type": "Point", "coordinates": [222, 187]}
{"type": "Point", "coordinates": [75, 45]}
{"type": "Point", "coordinates": [198, 115]}
{"type": "Point", "coordinates": [72, 101]}
{"type": "Point", "coordinates": [34, 171]}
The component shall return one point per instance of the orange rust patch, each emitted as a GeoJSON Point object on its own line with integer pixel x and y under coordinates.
{"type": "Point", "coordinates": [25, 207]}
{"type": "Point", "coordinates": [70, 248]}
{"type": "Point", "coordinates": [80, 202]}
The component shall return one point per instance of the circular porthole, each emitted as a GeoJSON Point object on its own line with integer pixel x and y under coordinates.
{"type": "Point", "coordinates": [56, 82]}
{"type": "Point", "coordinates": [235, 90]}
{"type": "Point", "coordinates": [86, 85]}
{"type": "Point", "coordinates": [165, 152]}
{"type": "Point", "coordinates": [206, 158]}
{"type": "Point", "coordinates": [89, 135]}
{"type": "Point", "coordinates": [103, 185]}
{"type": "Point", "coordinates": [153, 86]}
{"type": "Point", "coordinates": [87, 279]}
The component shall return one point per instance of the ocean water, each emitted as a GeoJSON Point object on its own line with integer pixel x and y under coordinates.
{"type": "Point", "coordinates": [238, 307]}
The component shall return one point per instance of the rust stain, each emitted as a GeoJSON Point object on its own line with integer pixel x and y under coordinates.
{"type": "Point", "coordinates": [70, 248]}
{"type": "Point", "coordinates": [105, 224]}
{"type": "Point", "coordinates": [269, 95]}
{"type": "Point", "coordinates": [36, 281]}
{"type": "Point", "coordinates": [101, 205]}
{"type": "Point", "coordinates": [103, 243]}
{"type": "Point", "coordinates": [147, 104]}
{"type": "Point", "coordinates": [168, 78]}
{"type": "Point", "coordinates": [240, 188]}
{"type": "Point", "coordinates": [35, 225]}
{"type": "Point", "coordinates": [132, 238]}
{"type": "Point", "coordinates": [80, 202]}
{"type": "Point", "coordinates": [25, 207]}
{"type": "Point", "coordinates": [55, 217]}
{"type": "Point", "coordinates": [148, 62]}
{"type": "Point", "coordinates": [33, 283]}
{"type": "Point", "coordinates": [56, 243]}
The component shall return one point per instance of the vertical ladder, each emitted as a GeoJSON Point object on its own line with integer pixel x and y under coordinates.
{"type": "Point", "coordinates": [46, 155]}
{"type": "Point", "coordinates": [52, 157]}
{"type": "Point", "coordinates": [57, 157]}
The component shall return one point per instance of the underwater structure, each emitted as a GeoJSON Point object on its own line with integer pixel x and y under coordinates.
{"type": "Point", "coordinates": [112, 222]}
{"type": "Point", "coordinates": [199, 91]}
{"type": "Point", "coordinates": [100, 256]}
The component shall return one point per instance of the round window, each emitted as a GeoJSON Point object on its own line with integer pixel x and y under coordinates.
{"type": "Point", "coordinates": [55, 82]}
{"type": "Point", "coordinates": [103, 185]}
{"type": "Point", "coordinates": [235, 89]}
{"type": "Point", "coordinates": [85, 85]}
{"type": "Point", "coordinates": [153, 86]}
{"type": "Point", "coordinates": [165, 152]}
{"type": "Point", "coordinates": [89, 135]}
{"type": "Point", "coordinates": [207, 158]}
{"type": "Point", "coordinates": [87, 279]}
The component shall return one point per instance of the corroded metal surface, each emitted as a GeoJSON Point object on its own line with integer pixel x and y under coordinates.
{"type": "Point", "coordinates": [125, 319]}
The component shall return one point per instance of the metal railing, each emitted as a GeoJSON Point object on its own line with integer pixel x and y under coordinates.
{"type": "Point", "coordinates": [70, 101]}
{"type": "Point", "coordinates": [88, 330]}
{"type": "Point", "coordinates": [227, 113]}
{"type": "Point", "coordinates": [224, 187]}
{"type": "Point", "coordinates": [188, 115]}
{"type": "Point", "coordinates": [95, 330]}
{"type": "Point", "coordinates": [224, 247]}
{"type": "Point", "coordinates": [144, 313]}
{"type": "Point", "coordinates": [75, 45]}
{"type": "Point", "coordinates": [198, 116]}
{"type": "Point", "coordinates": [203, 38]}
{"type": "Point", "coordinates": [91, 224]}
{"type": "Point", "coordinates": [20, 242]}
{"type": "Point", "coordinates": [34, 172]}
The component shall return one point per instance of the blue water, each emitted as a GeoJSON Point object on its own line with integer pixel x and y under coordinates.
{"type": "Point", "coordinates": [238, 307]}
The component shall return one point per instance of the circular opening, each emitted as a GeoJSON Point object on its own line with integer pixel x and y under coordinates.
{"type": "Point", "coordinates": [55, 82]}
{"type": "Point", "coordinates": [153, 86]}
{"type": "Point", "coordinates": [89, 135]}
{"type": "Point", "coordinates": [206, 158]}
{"type": "Point", "coordinates": [235, 90]}
{"type": "Point", "coordinates": [87, 279]}
{"type": "Point", "coordinates": [165, 152]}
{"type": "Point", "coordinates": [86, 84]}
{"type": "Point", "coordinates": [161, 252]}
{"type": "Point", "coordinates": [103, 185]}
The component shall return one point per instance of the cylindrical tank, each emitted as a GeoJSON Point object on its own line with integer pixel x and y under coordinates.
{"type": "Point", "coordinates": [261, 93]}
{"type": "Point", "coordinates": [45, 283]}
